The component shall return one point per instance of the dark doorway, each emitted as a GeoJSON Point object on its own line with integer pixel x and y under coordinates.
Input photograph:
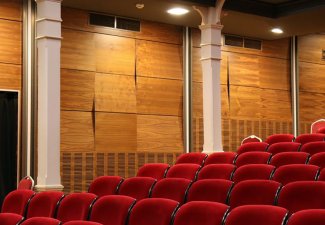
{"type": "Point", "coordinates": [8, 142]}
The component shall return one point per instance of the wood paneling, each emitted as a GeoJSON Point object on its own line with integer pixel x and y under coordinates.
{"type": "Point", "coordinates": [10, 76]}
{"type": "Point", "coordinates": [10, 42]}
{"type": "Point", "coordinates": [311, 77]}
{"type": "Point", "coordinates": [11, 9]}
{"type": "Point", "coordinates": [115, 93]}
{"type": "Point", "coordinates": [159, 133]}
{"type": "Point", "coordinates": [310, 48]}
{"type": "Point", "coordinates": [159, 60]}
{"type": "Point", "coordinates": [116, 132]}
{"type": "Point", "coordinates": [115, 54]}
{"type": "Point", "coordinates": [159, 96]}
{"type": "Point", "coordinates": [276, 104]}
{"type": "Point", "coordinates": [77, 90]}
{"type": "Point", "coordinates": [312, 106]}
{"type": "Point", "coordinates": [78, 50]}
{"type": "Point", "coordinates": [77, 131]}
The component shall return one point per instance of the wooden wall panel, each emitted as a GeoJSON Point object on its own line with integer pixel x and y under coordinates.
{"type": "Point", "coordinates": [312, 106]}
{"type": "Point", "coordinates": [11, 9]}
{"type": "Point", "coordinates": [77, 90]}
{"type": "Point", "coordinates": [115, 93]}
{"type": "Point", "coordinates": [116, 132]}
{"type": "Point", "coordinates": [276, 104]}
{"type": "Point", "coordinates": [10, 42]}
{"type": "Point", "coordinates": [115, 54]}
{"type": "Point", "coordinates": [10, 76]}
{"type": "Point", "coordinates": [159, 96]}
{"type": "Point", "coordinates": [310, 48]}
{"type": "Point", "coordinates": [77, 131]}
{"type": "Point", "coordinates": [160, 133]}
{"type": "Point", "coordinates": [159, 60]}
{"type": "Point", "coordinates": [311, 77]}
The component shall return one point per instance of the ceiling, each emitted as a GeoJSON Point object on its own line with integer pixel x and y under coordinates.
{"type": "Point", "coordinates": [240, 17]}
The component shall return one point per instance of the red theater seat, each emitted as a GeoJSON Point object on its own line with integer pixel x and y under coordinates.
{"type": "Point", "coordinates": [26, 183]}
{"type": "Point", "coordinates": [137, 187]}
{"type": "Point", "coordinates": [193, 158]}
{"type": "Point", "coordinates": [172, 188]}
{"type": "Point", "coordinates": [295, 172]}
{"type": "Point", "coordinates": [212, 190]}
{"type": "Point", "coordinates": [253, 147]}
{"type": "Point", "coordinates": [201, 213]}
{"type": "Point", "coordinates": [75, 206]}
{"type": "Point", "coordinates": [306, 138]}
{"type": "Point", "coordinates": [10, 218]}
{"type": "Point", "coordinates": [41, 221]}
{"type": "Point", "coordinates": [250, 139]}
{"type": "Point", "coordinates": [153, 211]}
{"type": "Point", "coordinates": [276, 138]}
{"type": "Point", "coordinates": [217, 171]}
{"type": "Point", "coordinates": [254, 192]}
{"type": "Point", "coordinates": [105, 185]}
{"type": "Point", "coordinates": [283, 147]}
{"type": "Point", "coordinates": [154, 170]}
{"type": "Point", "coordinates": [257, 215]}
{"type": "Point", "coordinates": [308, 217]}
{"type": "Point", "coordinates": [313, 147]}
{"type": "Point", "coordinates": [17, 201]}
{"type": "Point", "coordinates": [321, 130]}
{"type": "Point", "coordinates": [253, 172]}
{"type": "Point", "coordinates": [286, 158]}
{"type": "Point", "coordinates": [112, 210]}
{"type": "Point", "coordinates": [187, 171]}
{"type": "Point", "coordinates": [221, 158]}
{"type": "Point", "coordinates": [302, 195]}
{"type": "Point", "coordinates": [253, 158]}
{"type": "Point", "coordinates": [317, 125]}
{"type": "Point", "coordinates": [79, 222]}
{"type": "Point", "coordinates": [322, 175]}
{"type": "Point", "coordinates": [318, 160]}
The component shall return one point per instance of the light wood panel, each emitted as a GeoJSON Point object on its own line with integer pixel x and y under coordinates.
{"type": "Point", "coordinates": [159, 133]}
{"type": "Point", "coordinates": [10, 42]}
{"type": "Point", "coordinates": [312, 106]}
{"type": "Point", "coordinates": [115, 93]}
{"type": "Point", "coordinates": [276, 104]}
{"type": "Point", "coordinates": [11, 9]}
{"type": "Point", "coordinates": [116, 132]}
{"type": "Point", "coordinates": [311, 77]}
{"type": "Point", "coordinates": [310, 48]}
{"type": "Point", "coordinates": [115, 54]}
{"type": "Point", "coordinates": [159, 60]}
{"type": "Point", "coordinates": [159, 96]}
{"type": "Point", "coordinates": [77, 90]}
{"type": "Point", "coordinates": [77, 133]}
{"type": "Point", "coordinates": [78, 50]}
{"type": "Point", "coordinates": [10, 76]}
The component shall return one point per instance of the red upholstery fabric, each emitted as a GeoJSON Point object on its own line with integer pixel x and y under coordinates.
{"type": "Point", "coordinates": [171, 188]}
{"type": "Point", "coordinates": [284, 147]}
{"type": "Point", "coordinates": [257, 215]}
{"type": "Point", "coordinates": [200, 213]}
{"type": "Point", "coordinates": [301, 195]}
{"type": "Point", "coordinates": [137, 187]}
{"type": "Point", "coordinates": [318, 160]}
{"type": "Point", "coordinates": [213, 190]}
{"type": "Point", "coordinates": [253, 147]}
{"type": "Point", "coordinates": [295, 172]}
{"type": "Point", "coordinates": [286, 158]}
{"type": "Point", "coordinates": [16, 201]}
{"type": "Point", "coordinates": [253, 158]}
{"type": "Point", "coordinates": [194, 158]}
{"type": "Point", "coordinates": [313, 147]}
{"type": "Point", "coordinates": [322, 175]}
{"type": "Point", "coordinates": [254, 192]}
{"type": "Point", "coordinates": [153, 211]}
{"type": "Point", "coordinates": [26, 183]}
{"type": "Point", "coordinates": [105, 185]}
{"type": "Point", "coordinates": [10, 218]}
{"type": "Point", "coordinates": [308, 217]}
{"type": "Point", "coordinates": [217, 171]}
{"type": "Point", "coordinates": [112, 210]}
{"type": "Point", "coordinates": [41, 221]}
{"type": "Point", "coordinates": [154, 170]}
{"type": "Point", "coordinates": [221, 158]}
{"type": "Point", "coordinates": [187, 171]}
{"type": "Point", "coordinates": [321, 130]}
{"type": "Point", "coordinates": [79, 222]}
{"type": "Point", "coordinates": [75, 206]}
{"type": "Point", "coordinates": [315, 126]}
{"type": "Point", "coordinates": [306, 138]}
{"type": "Point", "coordinates": [253, 172]}
{"type": "Point", "coordinates": [276, 138]}
{"type": "Point", "coordinates": [44, 204]}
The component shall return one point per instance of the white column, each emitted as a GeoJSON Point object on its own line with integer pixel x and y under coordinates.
{"type": "Point", "coordinates": [48, 50]}
{"type": "Point", "coordinates": [211, 60]}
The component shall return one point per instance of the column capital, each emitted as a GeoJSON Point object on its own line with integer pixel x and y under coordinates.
{"type": "Point", "coordinates": [210, 15]}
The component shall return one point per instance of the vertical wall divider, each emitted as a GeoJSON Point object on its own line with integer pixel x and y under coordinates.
{"type": "Point", "coordinates": [187, 90]}
{"type": "Point", "coordinates": [295, 85]}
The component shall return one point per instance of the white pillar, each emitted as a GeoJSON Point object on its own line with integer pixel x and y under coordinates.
{"type": "Point", "coordinates": [48, 50]}
{"type": "Point", "coordinates": [211, 60]}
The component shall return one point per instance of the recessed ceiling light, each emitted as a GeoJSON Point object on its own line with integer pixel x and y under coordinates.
{"type": "Point", "coordinates": [177, 11]}
{"type": "Point", "coordinates": [277, 30]}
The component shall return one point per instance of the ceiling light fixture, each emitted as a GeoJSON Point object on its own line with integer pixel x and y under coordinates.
{"type": "Point", "coordinates": [277, 30]}
{"type": "Point", "coordinates": [177, 11]}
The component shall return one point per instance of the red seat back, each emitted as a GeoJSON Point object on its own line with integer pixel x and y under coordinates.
{"type": "Point", "coordinates": [217, 171]}
{"type": "Point", "coordinates": [193, 157]}
{"type": "Point", "coordinates": [41, 221]}
{"type": "Point", "coordinates": [276, 138]}
{"type": "Point", "coordinates": [284, 147]}
{"type": "Point", "coordinates": [10, 218]}
{"type": "Point", "coordinates": [322, 175]}
{"type": "Point", "coordinates": [17, 201]}
{"type": "Point", "coordinates": [306, 138]}
{"type": "Point", "coordinates": [105, 185]}
{"type": "Point", "coordinates": [253, 147]}
{"type": "Point", "coordinates": [321, 130]}
{"type": "Point", "coordinates": [253, 172]}
{"type": "Point", "coordinates": [308, 216]}
{"type": "Point", "coordinates": [79, 222]}
{"type": "Point", "coordinates": [137, 187]}
{"type": "Point", "coordinates": [286, 158]}
{"type": "Point", "coordinates": [187, 171]}
{"type": "Point", "coordinates": [317, 125]}
{"type": "Point", "coordinates": [155, 170]}
{"type": "Point", "coordinates": [26, 183]}
{"type": "Point", "coordinates": [253, 158]}
{"type": "Point", "coordinates": [221, 158]}
{"type": "Point", "coordinates": [313, 147]}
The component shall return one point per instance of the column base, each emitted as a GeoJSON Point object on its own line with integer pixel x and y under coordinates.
{"type": "Point", "coordinates": [40, 188]}
{"type": "Point", "coordinates": [209, 152]}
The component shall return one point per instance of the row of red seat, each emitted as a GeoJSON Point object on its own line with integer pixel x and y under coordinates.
{"type": "Point", "coordinates": [118, 210]}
